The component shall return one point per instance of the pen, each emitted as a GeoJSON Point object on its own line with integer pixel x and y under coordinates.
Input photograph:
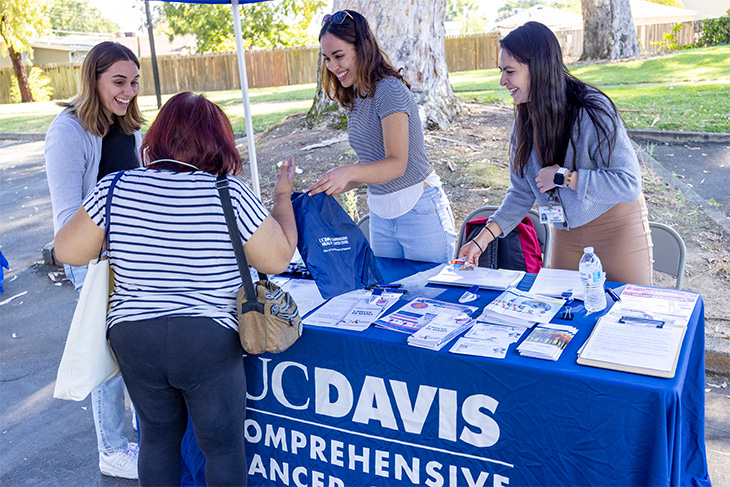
{"type": "Point", "coordinates": [613, 294]}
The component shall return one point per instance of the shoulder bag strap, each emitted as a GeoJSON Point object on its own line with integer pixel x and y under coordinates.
{"type": "Point", "coordinates": [108, 213]}
{"type": "Point", "coordinates": [221, 184]}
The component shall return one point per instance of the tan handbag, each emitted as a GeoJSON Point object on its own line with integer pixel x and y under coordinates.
{"type": "Point", "coordinates": [268, 318]}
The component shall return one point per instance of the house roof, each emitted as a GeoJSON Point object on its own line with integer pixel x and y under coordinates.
{"type": "Point", "coordinates": [643, 12]}
{"type": "Point", "coordinates": [138, 43]}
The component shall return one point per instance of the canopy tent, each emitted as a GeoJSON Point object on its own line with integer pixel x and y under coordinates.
{"type": "Point", "coordinates": [244, 81]}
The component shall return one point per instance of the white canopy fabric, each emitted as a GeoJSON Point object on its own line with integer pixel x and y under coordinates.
{"type": "Point", "coordinates": [244, 82]}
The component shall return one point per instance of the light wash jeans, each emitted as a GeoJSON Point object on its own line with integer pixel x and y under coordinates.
{"type": "Point", "coordinates": [107, 400]}
{"type": "Point", "coordinates": [426, 233]}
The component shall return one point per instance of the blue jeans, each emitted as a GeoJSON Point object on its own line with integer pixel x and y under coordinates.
{"type": "Point", "coordinates": [107, 400]}
{"type": "Point", "coordinates": [426, 233]}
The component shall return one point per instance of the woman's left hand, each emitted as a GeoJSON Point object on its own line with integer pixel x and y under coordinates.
{"type": "Point", "coordinates": [545, 178]}
{"type": "Point", "coordinates": [334, 182]}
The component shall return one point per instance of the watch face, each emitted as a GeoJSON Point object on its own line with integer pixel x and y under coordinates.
{"type": "Point", "coordinates": [559, 178]}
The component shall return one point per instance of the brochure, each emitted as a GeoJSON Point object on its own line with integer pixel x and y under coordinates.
{"type": "Point", "coordinates": [555, 282]}
{"type": "Point", "coordinates": [440, 331]}
{"type": "Point", "coordinates": [522, 306]}
{"type": "Point", "coordinates": [547, 341]}
{"type": "Point", "coordinates": [495, 279]}
{"type": "Point", "coordinates": [481, 348]}
{"type": "Point", "coordinates": [337, 309]}
{"type": "Point", "coordinates": [415, 315]}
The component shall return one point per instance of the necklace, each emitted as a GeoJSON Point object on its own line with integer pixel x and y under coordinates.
{"type": "Point", "coordinates": [173, 160]}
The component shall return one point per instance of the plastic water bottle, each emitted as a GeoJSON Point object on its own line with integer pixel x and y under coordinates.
{"type": "Point", "coordinates": [593, 278]}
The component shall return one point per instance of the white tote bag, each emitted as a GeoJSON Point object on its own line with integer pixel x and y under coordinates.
{"type": "Point", "coordinates": [88, 359]}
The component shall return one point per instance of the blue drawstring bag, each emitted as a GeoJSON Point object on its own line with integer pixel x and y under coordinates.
{"type": "Point", "coordinates": [333, 248]}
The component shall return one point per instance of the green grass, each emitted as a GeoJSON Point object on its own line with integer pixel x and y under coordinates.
{"type": "Point", "coordinates": [268, 106]}
{"type": "Point", "coordinates": [688, 90]}
{"type": "Point", "coordinates": [688, 107]}
{"type": "Point", "coordinates": [711, 63]}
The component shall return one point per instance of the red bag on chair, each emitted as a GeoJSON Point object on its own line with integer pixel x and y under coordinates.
{"type": "Point", "coordinates": [519, 250]}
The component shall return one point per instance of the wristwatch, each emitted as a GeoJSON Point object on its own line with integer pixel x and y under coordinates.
{"type": "Point", "coordinates": [559, 178]}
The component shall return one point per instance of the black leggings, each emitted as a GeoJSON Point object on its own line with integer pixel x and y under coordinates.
{"type": "Point", "coordinates": [177, 365]}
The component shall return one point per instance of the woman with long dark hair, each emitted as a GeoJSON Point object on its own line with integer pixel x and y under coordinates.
{"type": "Point", "coordinates": [570, 152]}
{"type": "Point", "coordinates": [172, 314]}
{"type": "Point", "coordinates": [410, 216]}
{"type": "Point", "coordinates": [98, 133]}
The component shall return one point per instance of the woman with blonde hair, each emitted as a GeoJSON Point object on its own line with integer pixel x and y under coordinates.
{"type": "Point", "coordinates": [405, 197]}
{"type": "Point", "coordinates": [98, 133]}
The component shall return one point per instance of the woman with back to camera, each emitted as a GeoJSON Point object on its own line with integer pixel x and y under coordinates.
{"type": "Point", "coordinates": [98, 133]}
{"type": "Point", "coordinates": [172, 314]}
{"type": "Point", "coordinates": [570, 152]}
{"type": "Point", "coordinates": [410, 215]}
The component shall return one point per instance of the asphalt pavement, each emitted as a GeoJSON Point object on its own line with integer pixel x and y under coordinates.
{"type": "Point", "coordinates": [49, 442]}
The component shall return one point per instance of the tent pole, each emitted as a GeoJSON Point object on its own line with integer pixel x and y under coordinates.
{"type": "Point", "coordinates": [246, 103]}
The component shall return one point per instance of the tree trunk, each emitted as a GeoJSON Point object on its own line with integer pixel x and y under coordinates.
{"type": "Point", "coordinates": [412, 33]}
{"type": "Point", "coordinates": [608, 30]}
{"type": "Point", "coordinates": [25, 95]}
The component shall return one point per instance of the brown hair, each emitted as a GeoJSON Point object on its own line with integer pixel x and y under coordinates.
{"type": "Point", "coordinates": [192, 129]}
{"type": "Point", "coordinates": [86, 104]}
{"type": "Point", "coordinates": [373, 64]}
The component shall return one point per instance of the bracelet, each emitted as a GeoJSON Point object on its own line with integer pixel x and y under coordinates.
{"type": "Point", "coordinates": [568, 178]}
{"type": "Point", "coordinates": [477, 244]}
{"type": "Point", "coordinates": [493, 235]}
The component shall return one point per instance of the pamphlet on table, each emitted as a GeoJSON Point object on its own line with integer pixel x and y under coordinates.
{"type": "Point", "coordinates": [642, 333]}
{"type": "Point", "coordinates": [441, 330]}
{"type": "Point", "coordinates": [487, 340]}
{"type": "Point", "coordinates": [494, 279]}
{"type": "Point", "coordinates": [353, 310]}
{"type": "Point", "coordinates": [557, 282]}
{"type": "Point", "coordinates": [518, 308]}
{"type": "Point", "coordinates": [547, 341]}
{"type": "Point", "coordinates": [416, 314]}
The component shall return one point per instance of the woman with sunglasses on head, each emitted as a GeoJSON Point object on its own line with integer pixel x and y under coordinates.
{"type": "Point", "coordinates": [570, 152]}
{"type": "Point", "coordinates": [98, 133]}
{"type": "Point", "coordinates": [410, 216]}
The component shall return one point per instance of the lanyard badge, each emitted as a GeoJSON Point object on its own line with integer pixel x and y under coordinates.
{"type": "Point", "coordinates": [553, 212]}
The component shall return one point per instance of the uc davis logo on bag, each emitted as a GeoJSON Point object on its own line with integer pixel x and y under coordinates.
{"type": "Point", "coordinates": [334, 244]}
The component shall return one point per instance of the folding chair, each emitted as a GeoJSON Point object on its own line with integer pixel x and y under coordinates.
{"type": "Point", "coordinates": [670, 254]}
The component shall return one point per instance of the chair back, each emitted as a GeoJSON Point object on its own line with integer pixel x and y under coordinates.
{"type": "Point", "coordinates": [364, 225]}
{"type": "Point", "coordinates": [670, 253]}
{"type": "Point", "coordinates": [542, 229]}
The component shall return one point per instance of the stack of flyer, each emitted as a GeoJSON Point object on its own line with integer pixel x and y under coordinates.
{"type": "Point", "coordinates": [441, 330]}
{"type": "Point", "coordinates": [488, 340]}
{"type": "Point", "coordinates": [547, 341]}
{"type": "Point", "coordinates": [518, 308]}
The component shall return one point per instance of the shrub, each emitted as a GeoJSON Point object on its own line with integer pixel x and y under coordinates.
{"type": "Point", "coordinates": [39, 86]}
{"type": "Point", "coordinates": [715, 31]}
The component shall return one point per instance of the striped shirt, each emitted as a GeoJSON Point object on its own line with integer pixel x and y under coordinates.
{"type": "Point", "coordinates": [365, 132]}
{"type": "Point", "coordinates": [169, 245]}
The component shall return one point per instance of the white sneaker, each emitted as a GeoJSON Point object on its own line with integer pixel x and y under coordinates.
{"type": "Point", "coordinates": [120, 463]}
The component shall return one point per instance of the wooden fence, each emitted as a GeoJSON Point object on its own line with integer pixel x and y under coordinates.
{"type": "Point", "coordinates": [280, 67]}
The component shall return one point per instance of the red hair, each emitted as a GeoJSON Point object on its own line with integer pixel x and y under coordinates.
{"type": "Point", "coordinates": [192, 129]}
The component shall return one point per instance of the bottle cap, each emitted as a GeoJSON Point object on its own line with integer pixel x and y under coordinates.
{"type": "Point", "coordinates": [588, 250]}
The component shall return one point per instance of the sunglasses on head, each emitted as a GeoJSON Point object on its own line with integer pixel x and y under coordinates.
{"type": "Point", "coordinates": [337, 17]}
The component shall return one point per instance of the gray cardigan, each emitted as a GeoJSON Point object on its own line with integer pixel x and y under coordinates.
{"type": "Point", "coordinates": [72, 164]}
{"type": "Point", "coordinates": [600, 187]}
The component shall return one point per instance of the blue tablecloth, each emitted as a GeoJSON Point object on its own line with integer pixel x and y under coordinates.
{"type": "Point", "coordinates": [343, 408]}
